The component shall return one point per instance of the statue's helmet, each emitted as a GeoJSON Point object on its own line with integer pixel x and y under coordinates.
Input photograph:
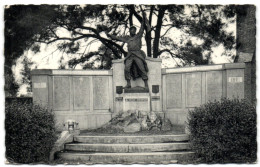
{"type": "Point", "coordinates": [132, 27]}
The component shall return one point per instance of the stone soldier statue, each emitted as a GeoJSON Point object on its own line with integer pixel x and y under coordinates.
{"type": "Point", "coordinates": [135, 64]}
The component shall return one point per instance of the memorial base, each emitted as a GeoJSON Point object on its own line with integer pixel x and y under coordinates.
{"type": "Point", "coordinates": [136, 101]}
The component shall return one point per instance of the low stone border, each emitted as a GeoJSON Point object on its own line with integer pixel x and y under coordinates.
{"type": "Point", "coordinates": [65, 137]}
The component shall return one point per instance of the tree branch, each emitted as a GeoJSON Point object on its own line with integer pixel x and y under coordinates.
{"type": "Point", "coordinates": [106, 42]}
{"type": "Point", "coordinates": [70, 39]}
{"type": "Point", "coordinates": [53, 33]}
{"type": "Point", "coordinates": [170, 52]}
{"type": "Point", "coordinates": [132, 9]}
{"type": "Point", "coordinates": [158, 31]}
{"type": "Point", "coordinates": [166, 32]}
{"type": "Point", "coordinates": [151, 15]}
{"type": "Point", "coordinates": [89, 28]}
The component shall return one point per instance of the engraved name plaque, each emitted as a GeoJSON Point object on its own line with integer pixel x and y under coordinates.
{"type": "Point", "coordinates": [40, 85]}
{"type": "Point", "coordinates": [235, 79]}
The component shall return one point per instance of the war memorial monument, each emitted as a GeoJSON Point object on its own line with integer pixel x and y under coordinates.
{"type": "Point", "coordinates": [137, 85]}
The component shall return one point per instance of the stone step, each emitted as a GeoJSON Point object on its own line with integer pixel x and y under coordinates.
{"type": "Point", "coordinates": [132, 139]}
{"type": "Point", "coordinates": [125, 158]}
{"type": "Point", "coordinates": [127, 148]}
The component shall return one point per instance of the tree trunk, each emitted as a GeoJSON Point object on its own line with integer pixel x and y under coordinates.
{"type": "Point", "coordinates": [158, 31]}
{"type": "Point", "coordinates": [148, 35]}
{"type": "Point", "coordinates": [148, 43]}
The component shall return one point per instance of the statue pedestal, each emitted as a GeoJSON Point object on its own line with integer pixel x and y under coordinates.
{"type": "Point", "coordinates": [137, 89]}
{"type": "Point", "coordinates": [137, 97]}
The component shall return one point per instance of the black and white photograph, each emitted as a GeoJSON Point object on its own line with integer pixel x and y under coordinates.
{"type": "Point", "coordinates": [129, 83]}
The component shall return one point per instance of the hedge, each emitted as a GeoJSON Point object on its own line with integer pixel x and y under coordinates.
{"type": "Point", "coordinates": [30, 132]}
{"type": "Point", "coordinates": [224, 131]}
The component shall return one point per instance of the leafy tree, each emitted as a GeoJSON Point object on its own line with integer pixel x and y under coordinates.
{"type": "Point", "coordinates": [103, 55]}
{"type": "Point", "coordinates": [42, 24]}
{"type": "Point", "coordinates": [74, 27]}
{"type": "Point", "coordinates": [10, 87]}
{"type": "Point", "coordinates": [22, 24]}
{"type": "Point", "coordinates": [25, 72]}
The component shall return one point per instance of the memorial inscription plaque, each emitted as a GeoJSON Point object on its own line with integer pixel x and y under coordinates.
{"type": "Point", "coordinates": [61, 93]}
{"type": "Point", "coordinates": [81, 91]}
{"type": "Point", "coordinates": [173, 91]}
{"type": "Point", "coordinates": [100, 90]}
{"type": "Point", "coordinates": [193, 89]}
{"type": "Point", "coordinates": [213, 85]}
{"type": "Point", "coordinates": [136, 102]}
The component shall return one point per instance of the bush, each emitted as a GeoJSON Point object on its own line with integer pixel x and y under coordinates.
{"type": "Point", "coordinates": [224, 131]}
{"type": "Point", "coordinates": [30, 132]}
